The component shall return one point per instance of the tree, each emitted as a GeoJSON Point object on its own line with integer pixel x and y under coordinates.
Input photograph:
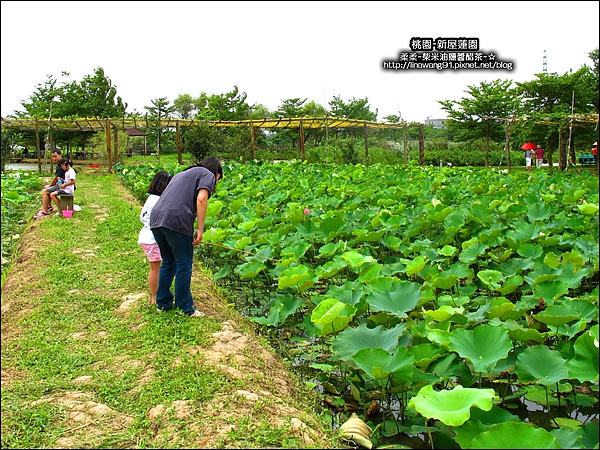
{"type": "Point", "coordinates": [354, 109]}
{"type": "Point", "coordinates": [551, 98]}
{"type": "Point", "coordinates": [184, 106]}
{"type": "Point", "coordinates": [478, 116]}
{"type": "Point", "coordinates": [159, 110]}
{"type": "Point", "coordinates": [229, 106]}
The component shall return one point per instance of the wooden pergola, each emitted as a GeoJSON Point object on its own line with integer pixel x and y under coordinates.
{"type": "Point", "coordinates": [109, 125]}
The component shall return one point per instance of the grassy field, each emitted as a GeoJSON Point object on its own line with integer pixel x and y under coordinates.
{"type": "Point", "coordinates": [87, 362]}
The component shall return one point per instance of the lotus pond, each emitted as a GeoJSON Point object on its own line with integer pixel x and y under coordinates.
{"type": "Point", "coordinates": [447, 307]}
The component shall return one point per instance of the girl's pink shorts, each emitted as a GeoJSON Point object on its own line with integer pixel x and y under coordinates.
{"type": "Point", "coordinates": [152, 252]}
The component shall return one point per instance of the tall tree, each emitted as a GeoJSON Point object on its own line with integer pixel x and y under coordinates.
{"type": "Point", "coordinates": [354, 109]}
{"type": "Point", "coordinates": [159, 110]}
{"type": "Point", "coordinates": [183, 106]}
{"type": "Point", "coordinates": [229, 106]}
{"type": "Point", "coordinates": [551, 98]}
{"type": "Point", "coordinates": [477, 116]}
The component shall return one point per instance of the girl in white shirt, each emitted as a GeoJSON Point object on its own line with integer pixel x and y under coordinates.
{"type": "Point", "coordinates": [146, 238]}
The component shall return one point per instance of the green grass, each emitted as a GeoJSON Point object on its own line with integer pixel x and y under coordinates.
{"type": "Point", "coordinates": [77, 331]}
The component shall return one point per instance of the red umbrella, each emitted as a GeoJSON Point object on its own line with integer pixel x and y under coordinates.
{"type": "Point", "coordinates": [528, 146]}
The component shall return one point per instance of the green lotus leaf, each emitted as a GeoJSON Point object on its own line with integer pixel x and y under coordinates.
{"type": "Point", "coordinates": [331, 226]}
{"type": "Point", "coordinates": [351, 340]}
{"type": "Point", "coordinates": [447, 250]}
{"type": "Point", "coordinates": [331, 248]}
{"type": "Point", "coordinates": [242, 243]}
{"type": "Point", "coordinates": [538, 211]}
{"type": "Point", "coordinates": [481, 421]}
{"type": "Point", "coordinates": [492, 278]}
{"type": "Point", "coordinates": [332, 316]}
{"type": "Point", "coordinates": [567, 435]}
{"type": "Point", "coordinates": [504, 309]}
{"type": "Point", "coordinates": [249, 270]}
{"type": "Point", "coordinates": [445, 280]}
{"type": "Point", "coordinates": [392, 242]}
{"type": "Point", "coordinates": [470, 254]}
{"type": "Point", "coordinates": [557, 315]}
{"type": "Point", "coordinates": [296, 249]}
{"type": "Point", "coordinates": [452, 407]}
{"type": "Point", "coordinates": [444, 313]}
{"type": "Point", "coordinates": [351, 292]}
{"type": "Point", "coordinates": [539, 364]}
{"type": "Point", "coordinates": [584, 365]}
{"type": "Point", "coordinates": [572, 278]}
{"type": "Point", "coordinates": [379, 364]}
{"type": "Point", "coordinates": [425, 354]}
{"type": "Point", "coordinates": [549, 291]}
{"type": "Point", "coordinates": [552, 260]}
{"type": "Point", "coordinates": [356, 259]}
{"type": "Point", "coordinates": [370, 272]}
{"type": "Point", "coordinates": [588, 209]}
{"type": "Point", "coordinates": [520, 333]}
{"type": "Point", "coordinates": [403, 296]}
{"type": "Point", "coordinates": [416, 265]}
{"type": "Point", "coordinates": [576, 258]}
{"type": "Point", "coordinates": [530, 251]}
{"type": "Point", "coordinates": [368, 236]}
{"type": "Point", "coordinates": [330, 268]}
{"type": "Point", "coordinates": [514, 435]}
{"type": "Point", "coordinates": [281, 308]}
{"type": "Point", "coordinates": [300, 277]}
{"type": "Point", "coordinates": [483, 346]}
{"type": "Point", "coordinates": [511, 285]}
{"type": "Point", "coordinates": [524, 232]}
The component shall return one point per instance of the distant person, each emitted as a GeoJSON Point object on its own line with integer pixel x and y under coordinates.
{"type": "Point", "coordinates": [67, 186]}
{"type": "Point", "coordinates": [539, 156]}
{"type": "Point", "coordinates": [183, 202]}
{"type": "Point", "coordinates": [59, 174]}
{"type": "Point", "coordinates": [146, 238]}
{"type": "Point", "coordinates": [595, 151]}
{"type": "Point", "coordinates": [528, 159]}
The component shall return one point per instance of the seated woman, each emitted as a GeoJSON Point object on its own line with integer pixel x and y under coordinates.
{"type": "Point", "coordinates": [68, 187]}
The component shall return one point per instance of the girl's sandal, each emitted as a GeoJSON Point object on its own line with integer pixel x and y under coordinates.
{"type": "Point", "coordinates": [197, 313]}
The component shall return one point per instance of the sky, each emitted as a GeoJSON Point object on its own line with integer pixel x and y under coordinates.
{"type": "Point", "coordinates": [275, 51]}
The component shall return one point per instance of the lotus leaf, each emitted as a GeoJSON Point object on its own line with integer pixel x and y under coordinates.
{"type": "Point", "coordinates": [249, 270]}
{"type": "Point", "coordinates": [483, 346]}
{"type": "Point", "coordinates": [356, 259]}
{"type": "Point", "coordinates": [330, 268]}
{"type": "Point", "coordinates": [588, 209]}
{"type": "Point", "coordinates": [351, 340]}
{"type": "Point", "coordinates": [481, 421]}
{"type": "Point", "coordinates": [444, 313]}
{"type": "Point", "coordinates": [470, 254]}
{"type": "Point", "coordinates": [300, 277]}
{"type": "Point", "coordinates": [425, 354]}
{"type": "Point", "coordinates": [280, 309]}
{"type": "Point", "coordinates": [452, 407]}
{"type": "Point", "coordinates": [584, 365]}
{"type": "Point", "coordinates": [332, 316]}
{"type": "Point", "coordinates": [379, 363]}
{"type": "Point", "coordinates": [549, 291]}
{"type": "Point", "coordinates": [539, 364]}
{"type": "Point", "coordinates": [403, 296]}
{"type": "Point", "coordinates": [557, 315]}
{"type": "Point", "coordinates": [514, 435]}
{"type": "Point", "coordinates": [539, 211]}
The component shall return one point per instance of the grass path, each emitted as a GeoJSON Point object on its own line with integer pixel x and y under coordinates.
{"type": "Point", "coordinates": [88, 363]}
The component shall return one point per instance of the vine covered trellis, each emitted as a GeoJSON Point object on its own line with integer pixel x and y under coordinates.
{"type": "Point", "coordinates": [94, 124]}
